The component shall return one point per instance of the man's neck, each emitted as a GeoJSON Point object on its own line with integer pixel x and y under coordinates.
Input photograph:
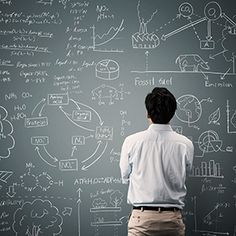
{"type": "Point", "coordinates": [149, 121]}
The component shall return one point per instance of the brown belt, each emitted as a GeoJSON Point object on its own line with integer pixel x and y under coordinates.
{"type": "Point", "coordinates": [150, 208]}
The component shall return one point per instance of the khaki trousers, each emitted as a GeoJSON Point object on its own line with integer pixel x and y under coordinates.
{"type": "Point", "coordinates": [150, 223]}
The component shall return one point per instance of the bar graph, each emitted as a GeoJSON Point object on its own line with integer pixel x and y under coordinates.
{"type": "Point", "coordinates": [207, 169]}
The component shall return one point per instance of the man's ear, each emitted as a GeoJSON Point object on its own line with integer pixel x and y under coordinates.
{"type": "Point", "coordinates": [148, 116]}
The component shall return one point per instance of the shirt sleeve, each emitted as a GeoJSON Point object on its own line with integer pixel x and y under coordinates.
{"type": "Point", "coordinates": [190, 154]}
{"type": "Point", "coordinates": [125, 166]}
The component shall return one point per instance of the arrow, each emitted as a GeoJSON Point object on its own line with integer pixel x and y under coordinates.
{"type": "Point", "coordinates": [48, 158]}
{"type": "Point", "coordinates": [99, 143]}
{"type": "Point", "coordinates": [40, 103]}
{"type": "Point", "coordinates": [90, 136]}
{"type": "Point", "coordinates": [68, 117]}
{"type": "Point", "coordinates": [223, 76]}
{"type": "Point", "coordinates": [85, 167]}
{"type": "Point", "coordinates": [209, 36]}
{"type": "Point", "coordinates": [53, 158]}
{"type": "Point", "coordinates": [5, 175]}
{"type": "Point", "coordinates": [67, 211]}
{"type": "Point", "coordinates": [205, 76]}
{"type": "Point", "coordinates": [223, 15]}
{"type": "Point", "coordinates": [217, 54]}
{"type": "Point", "coordinates": [79, 191]}
{"type": "Point", "coordinates": [146, 53]}
{"type": "Point", "coordinates": [41, 110]}
{"type": "Point", "coordinates": [73, 150]}
{"type": "Point", "coordinates": [215, 208]}
{"type": "Point", "coordinates": [165, 36]}
{"type": "Point", "coordinates": [77, 105]}
{"type": "Point", "coordinates": [79, 202]}
{"type": "Point", "coordinates": [67, 114]}
{"type": "Point", "coordinates": [11, 191]}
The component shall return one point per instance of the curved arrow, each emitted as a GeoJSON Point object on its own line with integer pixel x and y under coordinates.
{"type": "Point", "coordinates": [40, 103]}
{"type": "Point", "coordinates": [90, 136]}
{"type": "Point", "coordinates": [85, 167]}
{"type": "Point", "coordinates": [41, 110]}
{"type": "Point", "coordinates": [68, 116]}
{"type": "Point", "coordinates": [47, 159]}
{"type": "Point", "coordinates": [53, 158]}
{"type": "Point", "coordinates": [99, 143]}
{"type": "Point", "coordinates": [75, 103]}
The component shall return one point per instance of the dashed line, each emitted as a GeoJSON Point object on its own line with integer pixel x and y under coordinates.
{"type": "Point", "coordinates": [219, 24]}
{"type": "Point", "coordinates": [195, 32]}
{"type": "Point", "coordinates": [197, 15]}
{"type": "Point", "coordinates": [168, 23]}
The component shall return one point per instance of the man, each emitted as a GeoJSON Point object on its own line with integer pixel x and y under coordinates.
{"type": "Point", "coordinates": [154, 162]}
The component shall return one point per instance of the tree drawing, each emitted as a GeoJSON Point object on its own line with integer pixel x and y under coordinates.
{"type": "Point", "coordinates": [228, 43]}
{"type": "Point", "coordinates": [39, 218]}
{"type": "Point", "coordinates": [116, 198]}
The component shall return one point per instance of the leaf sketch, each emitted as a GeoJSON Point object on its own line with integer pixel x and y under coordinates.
{"type": "Point", "coordinates": [214, 117]}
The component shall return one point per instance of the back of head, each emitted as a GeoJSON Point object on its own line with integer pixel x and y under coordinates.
{"type": "Point", "coordinates": [161, 105]}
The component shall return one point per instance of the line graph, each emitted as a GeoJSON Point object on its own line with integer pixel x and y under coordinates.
{"type": "Point", "coordinates": [210, 219]}
{"type": "Point", "coordinates": [100, 40]}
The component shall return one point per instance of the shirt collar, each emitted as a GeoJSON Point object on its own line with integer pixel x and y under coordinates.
{"type": "Point", "coordinates": [160, 127]}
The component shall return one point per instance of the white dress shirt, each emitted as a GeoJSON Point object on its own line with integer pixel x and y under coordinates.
{"type": "Point", "coordinates": [154, 162]}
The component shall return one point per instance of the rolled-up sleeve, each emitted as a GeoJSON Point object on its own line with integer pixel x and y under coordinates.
{"type": "Point", "coordinates": [125, 167]}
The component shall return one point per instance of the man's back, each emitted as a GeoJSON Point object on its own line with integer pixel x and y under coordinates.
{"type": "Point", "coordinates": [159, 158]}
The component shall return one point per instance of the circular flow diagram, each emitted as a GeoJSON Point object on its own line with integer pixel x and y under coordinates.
{"type": "Point", "coordinates": [80, 115]}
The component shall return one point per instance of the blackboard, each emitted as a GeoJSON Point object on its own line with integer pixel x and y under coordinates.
{"type": "Point", "coordinates": [73, 78]}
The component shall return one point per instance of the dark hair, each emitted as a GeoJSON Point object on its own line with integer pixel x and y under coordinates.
{"type": "Point", "coordinates": [161, 105]}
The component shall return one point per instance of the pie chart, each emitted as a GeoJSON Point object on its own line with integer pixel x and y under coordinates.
{"type": "Point", "coordinates": [209, 141]}
{"type": "Point", "coordinates": [107, 69]}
